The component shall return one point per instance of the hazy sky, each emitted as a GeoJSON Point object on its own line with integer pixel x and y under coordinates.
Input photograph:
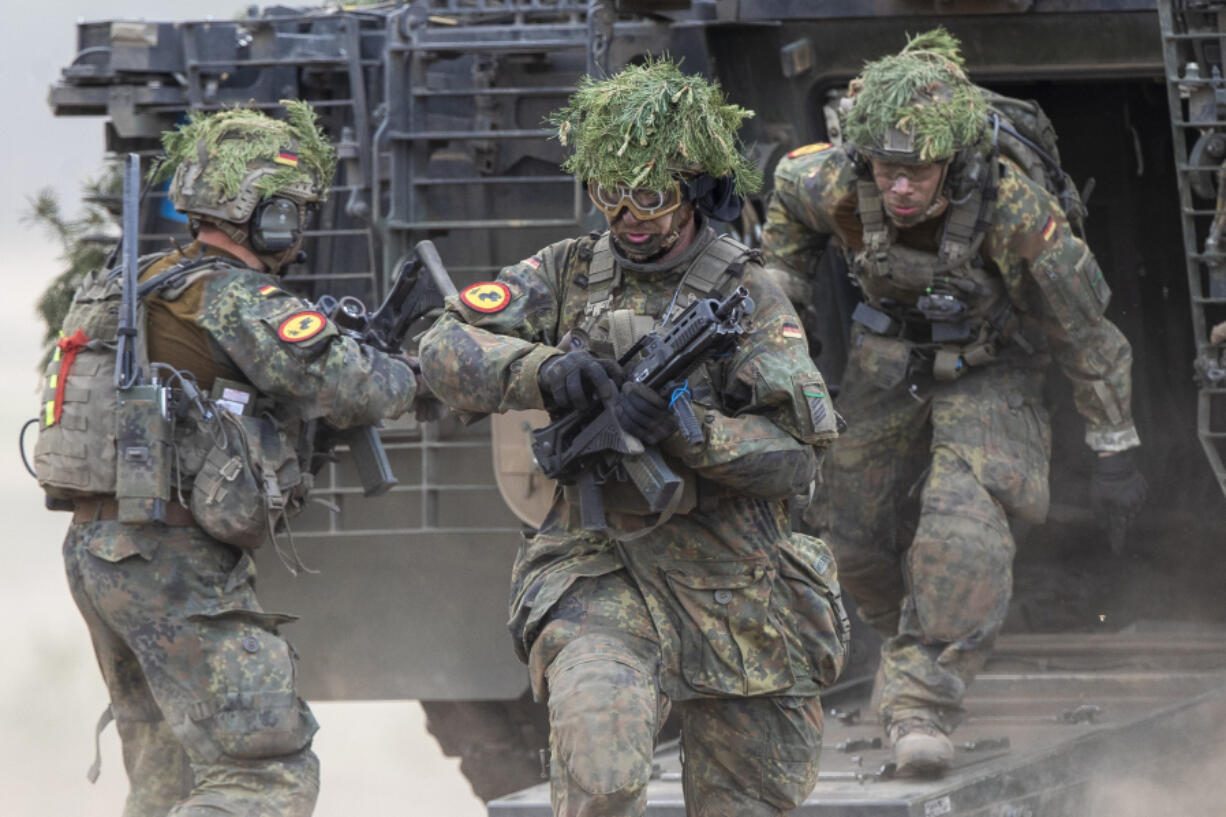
{"type": "Point", "coordinates": [377, 757]}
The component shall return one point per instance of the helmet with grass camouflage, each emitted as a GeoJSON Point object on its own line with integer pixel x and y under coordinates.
{"type": "Point", "coordinates": [649, 124]}
{"type": "Point", "coordinates": [917, 105]}
{"type": "Point", "coordinates": [226, 163]}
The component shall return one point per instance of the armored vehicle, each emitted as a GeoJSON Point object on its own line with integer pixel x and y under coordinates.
{"type": "Point", "coordinates": [436, 107]}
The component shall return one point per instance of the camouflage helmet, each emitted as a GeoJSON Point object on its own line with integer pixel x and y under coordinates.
{"type": "Point", "coordinates": [226, 163]}
{"type": "Point", "coordinates": [649, 123]}
{"type": "Point", "coordinates": [917, 105]}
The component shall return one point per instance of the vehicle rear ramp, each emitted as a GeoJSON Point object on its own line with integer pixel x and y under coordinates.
{"type": "Point", "coordinates": [1069, 725]}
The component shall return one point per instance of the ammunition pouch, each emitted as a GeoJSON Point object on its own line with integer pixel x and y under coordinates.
{"type": "Point", "coordinates": [887, 361]}
{"type": "Point", "coordinates": [249, 482]}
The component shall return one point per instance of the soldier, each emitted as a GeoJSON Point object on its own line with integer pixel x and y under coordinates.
{"type": "Point", "coordinates": [971, 282]}
{"type": "Point", "coordinates": [715, 609]}
{"type": "Point", "coordinates": [202, 686]}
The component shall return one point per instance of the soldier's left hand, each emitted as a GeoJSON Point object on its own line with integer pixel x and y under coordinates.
{"type": "Point", "coordinates": [643, 413]}
{"type": "Point", "coordinates": [1117, 487]}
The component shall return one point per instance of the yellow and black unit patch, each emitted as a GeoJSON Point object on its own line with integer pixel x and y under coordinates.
{"type": "Point", "coordinates": [301, 326]}
{"type": "Point", "coordinates": [816, 147]}
{"type": "Point", "coordinates": [487, 296]}
{"type": "Point", "coordinates": [1049, 229]}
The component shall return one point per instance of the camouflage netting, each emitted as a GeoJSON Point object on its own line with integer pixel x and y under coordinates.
{"type": "Point", "coordinates": [921, 91]}
{"type": "Point", "coordinates": [648, 122]}
{"type": "Point", "coordinates": [235, 137]}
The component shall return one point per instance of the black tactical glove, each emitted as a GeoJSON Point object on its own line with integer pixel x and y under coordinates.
{"type": "Point", "coordinates": [576, 380]}
{"type": "Point", "coordinates": [1117, 491]}
{"type": "Point", "coordinates": [645, 414]}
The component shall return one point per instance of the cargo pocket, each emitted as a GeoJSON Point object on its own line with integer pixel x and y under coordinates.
{"type": "Point", "coordinates": [250, 670]}
{"type": "Point", "coordinates": [730, 642]}
{"type": "Point", "coordinates": [812, 603]}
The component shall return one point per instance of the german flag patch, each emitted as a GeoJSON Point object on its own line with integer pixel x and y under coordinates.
{"type": "Point", "coordinates": [286, 158]}
{"type": "Point", "coordinates": [1049, 229]}
{"type": "Point", "coordinates": [816, 147]}
{"type": "Point", "coordinates": [791, 330]}
{"type": "Point", "coordinates": [268, 289]}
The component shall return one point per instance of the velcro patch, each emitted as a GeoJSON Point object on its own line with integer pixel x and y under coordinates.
{"type": "Point", "coordinates": [487, 296]}
{"type": "Point", "coordinates": [791, 330]}
{"type": "Point", "coordinates": [301, 326]}
{"type": "Point", "coordinates": [816, 147]}
{"type": "Point", "coordinates": [268, 289]}
{"type": "Point", "coordinates": [533, 262]}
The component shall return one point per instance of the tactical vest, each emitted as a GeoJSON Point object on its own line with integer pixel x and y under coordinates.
{"type": "Point", "coordinates": [75, 453]}
{"type": "Point", "coordinates": [714, 271]}
{"type": "Point", "coordinates": [965, 307]}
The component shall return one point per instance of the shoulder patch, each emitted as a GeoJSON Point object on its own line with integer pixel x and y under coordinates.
{"type": "Point", "coordinates": [816, 147]}
{"type": "Point", "coordinates": [487, 296]}
{"type": "Point", "coordinates": [532, 261]}
{"type": "Point", "coordinates": [791, 330]}
{"type": "Point", "coordinates": [268, 289]}
{"type": "Point", "coordinates": [301, 326]}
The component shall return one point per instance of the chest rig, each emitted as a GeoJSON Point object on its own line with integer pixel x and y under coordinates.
{"type": "Point", "coordinates": [715, 267]}
{"type": "Point", "coordinates": [712, 268]}
{"type": "Point", "coordinates": [946, 305]}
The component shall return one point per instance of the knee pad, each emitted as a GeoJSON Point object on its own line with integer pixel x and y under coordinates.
{"type": "Point", "coordinates": [602, 714]}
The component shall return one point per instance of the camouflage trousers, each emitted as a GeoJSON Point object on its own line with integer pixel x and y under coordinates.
{"type": "Point", "coordinates": [598, 657]}
{"type": "Point", "coordinates": [918, 500]}
{"type": "Point", "coordinates": [202, 687]}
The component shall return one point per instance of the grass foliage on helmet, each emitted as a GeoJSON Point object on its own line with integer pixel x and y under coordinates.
{"type": "Point", "coordinates": [224, 163]}
{"type": "Point", "coordinates": [647, 123]}
{"type": "Point", "coordinates": [921, 91]}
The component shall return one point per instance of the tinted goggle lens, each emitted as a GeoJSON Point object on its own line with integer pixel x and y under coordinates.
{"type": "Point", "coordinates": [643, 203]}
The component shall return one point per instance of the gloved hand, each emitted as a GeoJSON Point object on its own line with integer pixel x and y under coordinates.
{"type": "Point", "coordinates": [643, 413]}
{"type": "Point", "coordinates": [1117, 491]}
{"type": "Point", "coordinates": [576, 380]}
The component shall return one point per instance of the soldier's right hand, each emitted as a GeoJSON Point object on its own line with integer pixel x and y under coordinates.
{"type": "Point", "coordinates": [576, 380]}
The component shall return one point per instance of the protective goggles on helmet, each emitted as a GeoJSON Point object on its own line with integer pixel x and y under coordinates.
{"type": "Point", "coordinates": [643, 203]}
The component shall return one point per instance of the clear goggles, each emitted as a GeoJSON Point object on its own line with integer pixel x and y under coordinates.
{"type": "Point", "coordinates": [643, 203]}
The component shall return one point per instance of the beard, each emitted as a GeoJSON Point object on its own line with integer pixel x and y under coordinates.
{"type": "Point", "coordinates": [646, 251]}
{"type": "Point", "coordinates": [655, 247]}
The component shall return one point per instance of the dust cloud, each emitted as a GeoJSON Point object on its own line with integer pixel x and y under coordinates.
{"type": "Point", "coordinates": [1194, 791]}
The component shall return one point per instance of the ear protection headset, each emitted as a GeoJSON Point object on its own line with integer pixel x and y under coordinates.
{"type": "Point", "coordinates": [276, 225]}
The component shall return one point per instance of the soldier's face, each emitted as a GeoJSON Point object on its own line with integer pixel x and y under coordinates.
{"type": "Point", "coordinates": [648, 239]}
{"type": "Point", "coordinates": [908, 190]}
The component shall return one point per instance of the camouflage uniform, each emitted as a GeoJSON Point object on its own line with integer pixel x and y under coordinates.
{"type": "Point", "coordinates": [202, 686]}
{"type": "Point", "coordinates": [971, 453]}
{"type": "Point", "coordinates": [719, 610]}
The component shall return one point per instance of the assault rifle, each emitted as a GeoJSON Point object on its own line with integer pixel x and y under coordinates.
{"type": "Point", "coordinates": [421, 285]}
{"type": "Point", "coordinates": [589, 448]}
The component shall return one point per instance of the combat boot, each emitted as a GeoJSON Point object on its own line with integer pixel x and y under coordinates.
{"type": "Point", "coordinates": [920, 748]}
